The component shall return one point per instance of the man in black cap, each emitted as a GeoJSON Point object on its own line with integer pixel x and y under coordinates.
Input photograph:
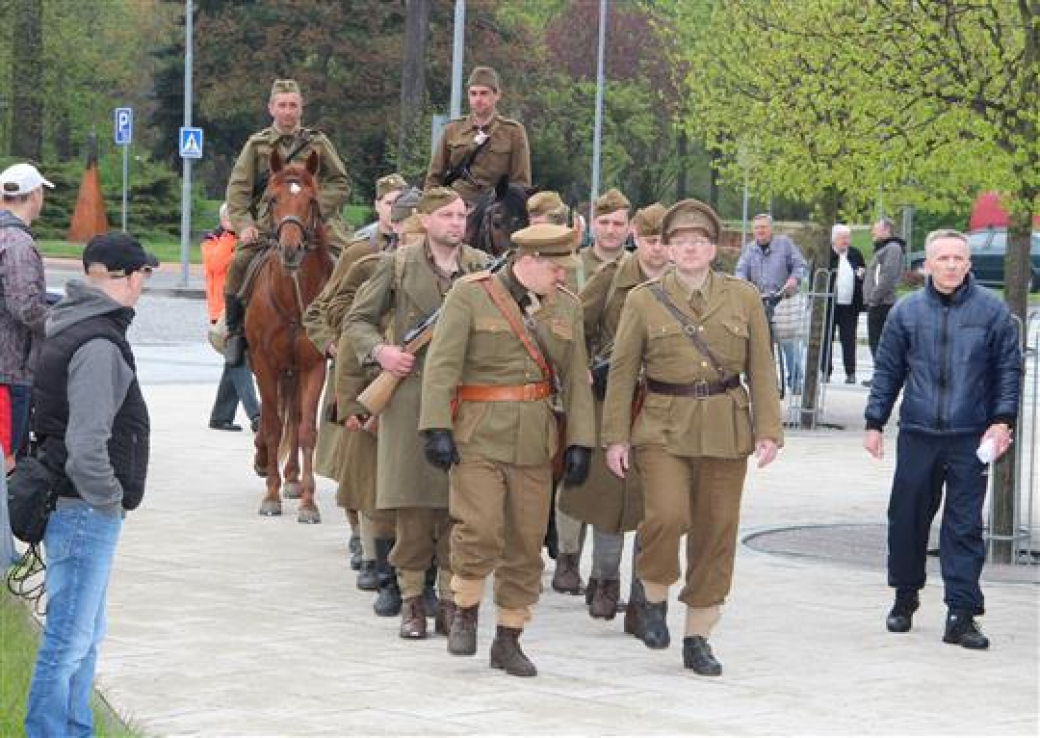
{"type": "Point", "coordinates": [93, 425]}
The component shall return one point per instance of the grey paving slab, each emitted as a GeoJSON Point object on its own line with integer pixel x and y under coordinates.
{"type": "Point", "coordinates": [225, 623]}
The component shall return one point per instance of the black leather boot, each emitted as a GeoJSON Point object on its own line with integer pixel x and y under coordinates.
{"type": "Point", "coordinates": [507, 654]}
{"type": "Point", "coordinates": [697, 655]}
{"type": "Point", "coordinates": [567, 577]}
{"type": "Point", "coordinates": [388, 601]}
{"type": "Point", "coordinates": [368, 577]}
{"type": "Point", "coordinates": [429, 593]}
{"type": "Point", "coordinates": [655, 625]}
{"type": "Point", "coordinates": [901, 617]}
{"type": "Point", "coordinates": [235, 344]}
{"type": "Point", "coordinates": [962, 630]}
{"type": "Point", "coordinates": [634, 612]}
{"type": "Point", "coordinates": [354, 547]}
{"type": "Point", "coordinates": [604, 602]}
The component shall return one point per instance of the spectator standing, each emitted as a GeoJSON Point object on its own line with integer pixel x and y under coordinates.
{"type": "Point", "coordinates": [880, 281]}
{"type": "Point", "coordinates": [93, 424]}
{"type": "Point", "coordinates": [845, 286]}
{"type": "Point", "coordinates": [23, 307]}
{"type": "Point", "coordinates": [952, 350]}
{"type": "Point", "coordinates": [236, 382]}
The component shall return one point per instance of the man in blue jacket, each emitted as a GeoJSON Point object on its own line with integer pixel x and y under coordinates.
{"type": "Point", "coordinates": [953, 350]}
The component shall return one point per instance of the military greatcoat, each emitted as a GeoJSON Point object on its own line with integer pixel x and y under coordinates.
{"type": "Point", "coordinates": [405, 287]}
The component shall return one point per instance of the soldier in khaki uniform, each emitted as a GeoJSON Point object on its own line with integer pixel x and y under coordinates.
{"type": "Point", "coordinates": [504, 345]}
{"type": "Point", "coordinates": [611, 505]}
{"type": "Point", "coordinates": [503, 150]}
{"type": "Point", "coordinates": [247, 208]}
{"type": "Point", "coordinates": [547, 207]}
{"type": "Point", "coordinates": [405, 288]}
{"type": "Point", "coordinates": [323, 329]}
{"type": "Point", "coordinates": [610, 227]}
{"type": "Point", "coordinates": [703, 341]}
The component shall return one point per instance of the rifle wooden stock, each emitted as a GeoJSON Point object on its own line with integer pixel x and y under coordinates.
{"type": "Point", "coordinates": [376, 396]}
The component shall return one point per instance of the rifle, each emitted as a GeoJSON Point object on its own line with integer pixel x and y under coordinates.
{"type": "Point", "coordinates": [461, 170]}
{"type": "Point", "coordinates": [376, 396]}
{"type": "Point", "coordinates": [260, 185]}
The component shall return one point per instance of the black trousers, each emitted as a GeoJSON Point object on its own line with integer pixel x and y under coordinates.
{"type": "Point", "coordinates": [842, 318]}
{"type": "Point", "coordinates": [876, 317]}
{"type": "Point", "coordinates": [924, 466]}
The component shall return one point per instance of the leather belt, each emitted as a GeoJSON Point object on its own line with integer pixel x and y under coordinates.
{"type": "Point", "coordinates": [511, 393]}
{"type": "Point", "coordinates": [699, 389]}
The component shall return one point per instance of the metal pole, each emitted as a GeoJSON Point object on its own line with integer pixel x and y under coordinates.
{"type": "Point", "coordinates": [186, 162]}
{"type": "Point", "coordinates": [458, 36]}
{"type": "Point", "coordinates": [598, 129]}
{"type": "Point", "coordinates": [126, 169]}
{"type": "Point", "coordinates": [743, 215]}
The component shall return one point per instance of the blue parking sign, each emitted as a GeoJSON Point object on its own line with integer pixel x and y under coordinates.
{"type": "Point", "coordinates": [123, 126]}
{"type": "Point", "coordinates": [191, 143]}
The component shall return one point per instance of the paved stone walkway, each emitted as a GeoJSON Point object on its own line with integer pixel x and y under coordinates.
{"type": "Point", "coordinates": [226, 623]}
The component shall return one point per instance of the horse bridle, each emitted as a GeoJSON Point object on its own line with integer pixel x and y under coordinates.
{"type": "Point", "coordinates": [487, 229]}
{"type": "Point", "coordinates": [291, 260]}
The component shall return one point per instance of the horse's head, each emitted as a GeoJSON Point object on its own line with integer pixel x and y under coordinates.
{"type": "Point", "coordinates": [496, 215]}
{"type": "Point", "coordinates": [293, 195]}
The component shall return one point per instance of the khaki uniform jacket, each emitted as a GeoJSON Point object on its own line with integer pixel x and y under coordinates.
{"type": "Point", "coordinates": [474, 344]}
{"type": "Point", "coordinates": [733, 324]}
{"type": "Point", "coordinates": [507, 152]}
{"type": "Point", "coordinates": [579, 276]}
{"type": "Point", "coordinates": [254, 161]}
{"type": "Point", "coordinates": [406, 293]}
{"type": "Point", "coordinates": [610, 504]}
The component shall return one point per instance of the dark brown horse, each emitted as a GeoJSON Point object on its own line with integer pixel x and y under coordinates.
{"type": "Point", "coordinates": [289, 370]}
{"type": "Point", "coordinates": [496, 214]}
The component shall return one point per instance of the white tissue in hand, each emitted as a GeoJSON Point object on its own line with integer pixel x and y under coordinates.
{"type": "Point", "coordinates": [987, 451]}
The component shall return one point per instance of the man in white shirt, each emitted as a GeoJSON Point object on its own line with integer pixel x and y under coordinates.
{"type": "Point", "coordinates": [845, 288]}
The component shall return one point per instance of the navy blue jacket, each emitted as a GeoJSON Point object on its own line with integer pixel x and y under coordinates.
{"type": "Point", "coordinates": [958, 364]}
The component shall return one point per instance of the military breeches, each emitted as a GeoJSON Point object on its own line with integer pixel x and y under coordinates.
{"type": "Point", "coordinates": [698, 496]}
{"type": "Point", "coordinates": [422, 532]}
{"type": "Point", "coordinates": [236, 273]}
{"type": "Point", "coordinates": [500, 513]}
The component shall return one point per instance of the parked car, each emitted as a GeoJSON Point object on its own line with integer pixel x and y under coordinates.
{"type": "Point", "coordinates": [988, 247]}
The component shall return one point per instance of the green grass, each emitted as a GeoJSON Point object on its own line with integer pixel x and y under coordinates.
{"type": "Point", "coordinates": [165, 250]}
{"type": "Point", "coordinates": [19, 636]}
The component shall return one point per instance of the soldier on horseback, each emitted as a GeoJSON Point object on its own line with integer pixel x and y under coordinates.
{"type": "Point", "coordinates": [248, 208]}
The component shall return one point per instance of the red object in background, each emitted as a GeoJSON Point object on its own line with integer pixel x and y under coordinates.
{"type": "Point", "coordinates": [89, 218]}
{"type": "Point", "coordinates": [986, 212]}
{"type": "Point", "coordinates": [5, 419]}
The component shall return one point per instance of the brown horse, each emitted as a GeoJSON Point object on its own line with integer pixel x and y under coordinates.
{"type": "Point", "coordinates": [289, 371]}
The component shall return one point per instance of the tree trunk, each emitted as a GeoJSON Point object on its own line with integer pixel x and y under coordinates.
{"type": "Point", "coordinates": [27, 80]}
{"type": "Point", "coordinates": [680, 177]}
{"type": "Point", "coordinates": [413, 84]}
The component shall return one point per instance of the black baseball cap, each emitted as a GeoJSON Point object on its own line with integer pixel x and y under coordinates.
{"type": "Point", "coordinates": [119, 253]}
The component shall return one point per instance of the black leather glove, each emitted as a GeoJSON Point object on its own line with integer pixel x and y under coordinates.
{"type": "Point", "coordinates": [439, 448]}
{"type": "Point", "coordinates": [576, 460]}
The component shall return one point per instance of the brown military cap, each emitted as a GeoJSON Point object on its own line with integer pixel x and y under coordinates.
{"type": "Point", "coordinates": [647, 222]}
{"type": "Point", "coordinates": [692, 214]}
{"type": "Point", "coordinates": [405, 205]}
{"type": "Point", "coordinates": [610, 201]}
{"type": "Point", "coordinates": [284, 85]}
{"type": "Point", "coordinates": [389, 183]}
{"type": "Point", "coordinates": [545, 203]}
{"type": "Point", "coordinates": [484, 77]}
{"type": "Point", "coordinates": [436, 198]}
{"type": "Point", "coordinates": [549, 241]}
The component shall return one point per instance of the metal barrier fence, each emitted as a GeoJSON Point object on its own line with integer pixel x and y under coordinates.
{"type": "Point", "coordinates": [1024, 536]}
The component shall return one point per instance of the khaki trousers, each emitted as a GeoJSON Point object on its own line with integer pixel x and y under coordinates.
{"type": "Point", "coordinates": [698, 496]}
{"type": "Point", "coordinates": [376, 524]}
{"type": "Point", "coordinates": [500, 513]}
{"type": "Point", "coordinates": [422, 532]}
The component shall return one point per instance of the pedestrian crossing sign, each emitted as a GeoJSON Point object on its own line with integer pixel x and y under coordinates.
{"type": "Point", "coordinates": [191, 143]}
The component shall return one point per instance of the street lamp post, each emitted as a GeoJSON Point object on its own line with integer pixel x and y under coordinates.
{"type": "Point", "coordinates": [598, 128]}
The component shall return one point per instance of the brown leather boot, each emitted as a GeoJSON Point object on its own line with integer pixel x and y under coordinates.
{"type": "Point", "coordinates": [442, 620]}
{"type": "Point", "coordinates": [590, 590]}
{"type": "Point", "coordinates": [413, 618]}
{"type": "Point", "coordinates": [605, 600]}
{"type": "Point", "coordinates": [567, 577]}
{"type": "Point", "coordinates": [506, 653]}
{"type": "Point", "coordinates": [462, 638]}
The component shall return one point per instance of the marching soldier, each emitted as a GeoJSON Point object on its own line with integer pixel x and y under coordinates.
{"type": "Point", "coordinates": [610, 228]}
{"type": "Point", "coordinates": [323, 329]}
{"type": "Point", "coordinates": [505, 343]}
{"type": "Point", "coordinates": [247, 208]}
{"type": "Point", "coordinates": [546, 207]}
{"type": "Point", "coordinates": [406, 288]}
{"type": "Point", "coordinates": [703, 341]}
{"type": "Point", "coordinates": [611, 505]}
{"type": "Point", "coordinates": [476, 151]}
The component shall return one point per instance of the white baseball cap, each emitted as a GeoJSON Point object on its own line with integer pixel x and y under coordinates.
{"type": "Point", "coordinates": [21, 179]}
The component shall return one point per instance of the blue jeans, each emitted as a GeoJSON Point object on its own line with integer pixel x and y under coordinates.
{"type": "Point", "coordinates": [236, 385]}
{"type": "Point", "coordinates": [21, 401]}
{"type": "Point", "coordinates": [794, 352]}
{"type": "Point", "coordinates": [80, 543]}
